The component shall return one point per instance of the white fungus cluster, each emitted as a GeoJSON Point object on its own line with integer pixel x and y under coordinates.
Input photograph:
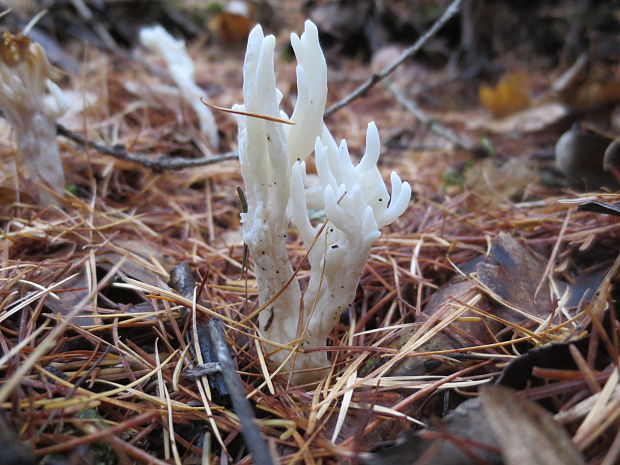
{"type": "Point", "coordinates": [32, 102]}
{"type": "Point", "coordinates": [354, 198]}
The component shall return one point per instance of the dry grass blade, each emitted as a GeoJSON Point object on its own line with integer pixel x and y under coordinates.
{"type": "Point", "coordinates": [50, 341]}
{"type": "Point", "coordinates": [246, 113]}
{"type": "Point", "coordinates": [101, 434]}
{"type": "Point", "coordinates": [604, 412]}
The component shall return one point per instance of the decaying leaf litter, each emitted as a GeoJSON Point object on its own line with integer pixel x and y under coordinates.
{"type": "Point", "coordinates": [493, 275]}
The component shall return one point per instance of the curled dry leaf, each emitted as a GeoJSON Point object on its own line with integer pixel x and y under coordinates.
{"type": "Point", "coordinates": [494, 285]}
{"type": "Point", "coordinates": [527, 433]}
{"type": "Point", "coordinates": [463, 437]}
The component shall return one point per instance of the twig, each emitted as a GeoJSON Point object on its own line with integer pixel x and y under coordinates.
{"type": "Point", "coordinates": [203, 369]}
{"type": "Point", "coordinates": [362, 89]}
{"type": "Point", "coordinates": [178, 163]}
{"type": "Point", "coordinates": [89, 19]}
{"type": "Point", "coordinates": [182, 280]}
{"type": "Point", "coordinates": [156, 164]}
{"type": "Point", "coordinates": [211, 363]}
{"type": "Point", "coordinates": [241, 405]}
{"type": "Point", "coordinates": [432, 124]}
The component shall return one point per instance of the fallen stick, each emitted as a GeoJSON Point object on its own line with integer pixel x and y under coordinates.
{"type": "Point", "coordinates": [432, 124]}
{"type": "Point", "coordinates": [241, 405]}
{"type": "Point", "coordinates": [156, 164]}
{"type": "Point", "coordinates": [385, 72]}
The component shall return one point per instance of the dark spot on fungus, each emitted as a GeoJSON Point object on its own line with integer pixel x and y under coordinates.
{"type": "Point", "coordinates": [380, 199]}
{"type": "Point", "coordinates": [268, 137]}
{"type": "Point", "coordinates": [270, 319]}
{"type": "Point", "coordinates": [335, 246]}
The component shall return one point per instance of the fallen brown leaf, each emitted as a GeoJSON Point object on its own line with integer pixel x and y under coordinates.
{"type": "Point", "coordinates": [527, 433]}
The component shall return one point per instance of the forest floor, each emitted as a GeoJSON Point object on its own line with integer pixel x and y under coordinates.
{"type": "Point", "coordinates": [484, 328]}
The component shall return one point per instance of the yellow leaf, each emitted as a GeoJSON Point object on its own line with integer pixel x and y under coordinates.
{"type": "Point", "coordinates": [508, 96]}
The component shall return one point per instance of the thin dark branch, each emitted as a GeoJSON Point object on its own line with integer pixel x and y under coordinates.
{"type": "Point", "coordinates": [162, 163]}
{"type": "Point", "coordinates": [241, 405]}
{"type": "Point", "coordinates": [432, 124]}
{"type": "Point", "coordinates": [156, 164]}
{"type": "Point", "coordinates": [362, 89]}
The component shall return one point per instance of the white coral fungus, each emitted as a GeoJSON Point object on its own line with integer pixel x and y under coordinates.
{"type": "Point", "coordinates": [355, 200]}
